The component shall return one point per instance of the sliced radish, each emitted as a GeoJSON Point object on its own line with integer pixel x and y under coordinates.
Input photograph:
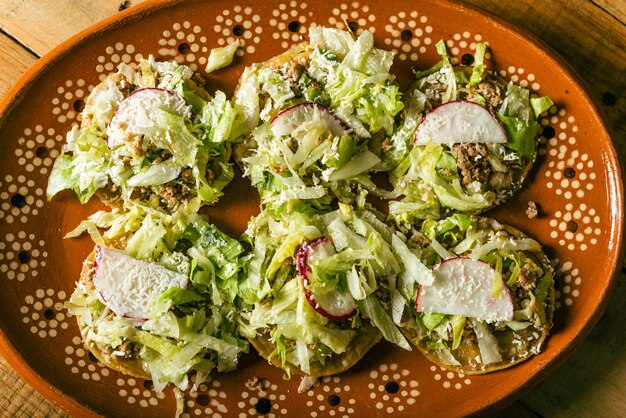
{"type": "Point", "coordinates": [128, 286]}
{"type": "Point", "coordinates": [460, 121]}
{"type": "Point", "coordinates": [463, 286]}
{"type": "Point", "coordinates": [137, 116]}
{"type": "Point", "coordinates": [295, 116]}
{"type": "Point", "coordinates": [336, 306]}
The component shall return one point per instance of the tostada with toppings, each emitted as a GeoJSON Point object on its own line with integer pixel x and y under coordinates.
{"type": "Point", "coordinates": [149, 133]}
{"type": "Point", "coordinates": [323, 287]}
{"type": "Point", "coordinates": [308, 117]}
{"type": "Point", "coordinates": [490, 303]}
{"type": "Point", "coordinates": [156, 298]}
{"type": "Point", "coordinates": [467, 141]}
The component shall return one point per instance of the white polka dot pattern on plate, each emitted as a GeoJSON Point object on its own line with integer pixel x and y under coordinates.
{"type": "Point", "coordinates": [68, 101]}
{"type": "Point", "coordinates": [570, 280]}
{"type": "Point", "coordinates": [37, 149]}
{"type": "Point", "coordinates": [21, 255]}
{"type": "Point", "coordinates": [571, 174]}
{"type": "Point", "coordinates": [576, 227]}
{"type": "Point", "coordinates": [522, 77]}
{"type": "Point", "coordinates": [184, 44]}
{"type": "Point", "coordinates": [113, 55]}
{"type": "Point", "coordinates": [206, 402]}
{"type": "Point", "coordinates": [238, 23]}
{"type": "Point", "coordinates": [450, 379]}
{"type": "Point", "coordinates": [331, 398]}
{"type": "Point", "coordinates": [44, 313]}
{"type": "Point", "coordinates": [82, 362]}
{"type": "Point", "coordinates": [138, 391]}
{"type": "Point", "coordinates": [260, 398]}
{"type": "Point", "coordinates": [568, 171]}
{"type": "Point", "coordinates": [408, 35]}
{"type": "Point", "coordinates": [290, 24]}
{"type": "Point", "coordinates": [392, 389]}
{"type": "Point", "coordinates": [356, 15]}
{"type": "Point", "coordinates": [19, 199]}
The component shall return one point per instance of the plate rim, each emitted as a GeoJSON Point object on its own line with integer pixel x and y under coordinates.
{"type": "Point", "coordinates": [615, 190]}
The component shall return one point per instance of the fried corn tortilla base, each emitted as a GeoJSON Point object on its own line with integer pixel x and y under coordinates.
{"type": "Point", "coordinates": [129, 366]}
{"type": "Point", "coordinates": [467, 352]}
{"type": "Point", "coordinates": [367, 336]}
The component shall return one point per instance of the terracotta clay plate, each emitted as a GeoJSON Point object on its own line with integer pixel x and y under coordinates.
{"type": "Point", "coordinates": [577, 183]}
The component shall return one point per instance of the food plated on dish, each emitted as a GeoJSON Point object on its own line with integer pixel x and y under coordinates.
{"type": "Point", "coordinates": [149, 133]}
{"type": "Point", "coordinates": [320, 275]}
{"type": "Point", "coordinates": [571, 192]}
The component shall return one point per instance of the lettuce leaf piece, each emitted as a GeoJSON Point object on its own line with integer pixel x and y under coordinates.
{"type": "Point", "coordinates": [516, 103]}
{"type": "Point", "coordinates": [424, 73]}
{"type": "Point", "coordinates": [542, 295]}
{"type": "Point", "coordinates": [540, 104]}
{"type": "Point", "coordinates": [156, 174]}
{"type": "Point", "coordinates": [372, 309]}
{"type": "Point", "coordinates": [431, 320]}
{"type": "Point", "coordinates": [221, 57]}
{"type": "Point", "coordinates": [177, 296]}
{"type": "Point", "coordinates": [522, 136]}
{"type": "Point", "coordinates": [83, 165]}
{"type": "Point", "coordinates": [479, 66]}
{"type": "Point", "coordinates": [336, 40]}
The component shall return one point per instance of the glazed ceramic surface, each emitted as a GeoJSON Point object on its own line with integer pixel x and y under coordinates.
{"type": "Point", "coordinates": [576, 182]}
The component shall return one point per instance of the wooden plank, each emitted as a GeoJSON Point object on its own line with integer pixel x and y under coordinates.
{"type": "Point", "coordinates": [52, 21]}
{"type": "Point", "coordinates": [590, 383]}
{"type": "Point", "coordinates": [590, 39]}
{"type": "Point", "coordinates": [517, 410]}
{"type": "Point", "coordinates": [616, 8]}
{"type": "Point", "coordinates": [14, 61]}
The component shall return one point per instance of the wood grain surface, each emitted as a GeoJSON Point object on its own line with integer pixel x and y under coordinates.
{"type": "Point", "coordinates": [589, 35]}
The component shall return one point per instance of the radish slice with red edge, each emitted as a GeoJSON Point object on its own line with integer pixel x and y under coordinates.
{"type": "Point", "coordinates": [295, 116]}
{"type": "Point", "coordinates": [463, 286]}
{"type": "Point", "coordinates": [128, 286]}
{"type": "Point", "coordinates": [137, 114]}
{"type": "Point", "coordinates": [460, 122]}
{"type": "Point", "coordinates": [336, 306]}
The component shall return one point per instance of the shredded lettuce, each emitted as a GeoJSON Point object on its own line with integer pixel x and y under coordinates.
{"type": "Point", "coordinates": [373, 310]}
{"type": "Point", "coordinates": [479, 66]}
{"type": "Point", "coordinates": [188, 329]}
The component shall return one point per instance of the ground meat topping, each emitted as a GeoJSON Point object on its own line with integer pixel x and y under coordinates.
{"type": "Point", "coordinates": [142, 193]}
{"type": "Point", "coordinates": [420, 239]}
{"type": "Point", "coordinates": [527, 277]}
{"type": "Point", "coordinates": [386, 146]}
{"type": "Point", "coordinates": [490, 91]}
{"type": "Point", "coordinates": [469, 336]}
{"type": "Point", "coordinates": [187, 176]}
{"type": "Point", "coordinates": [472, 162]}
{"type": "Point", "coordinates": [293, 71]}
{"type": "Point", "coordinates": [210, 176]}
{"type": "Point", "coordinates": [138, 146]}
{"type": "Point", "coordinates": [112, 187]}
{"type": "Point", "coordinates": [122, 84]}
{"type": "Point", "coordinates": [170, 195]}
{"type": "Point", "coordinates": [126, 348]}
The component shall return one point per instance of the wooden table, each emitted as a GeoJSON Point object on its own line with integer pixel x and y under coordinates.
{"type": "Point", "coordinates": [590, 35]}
